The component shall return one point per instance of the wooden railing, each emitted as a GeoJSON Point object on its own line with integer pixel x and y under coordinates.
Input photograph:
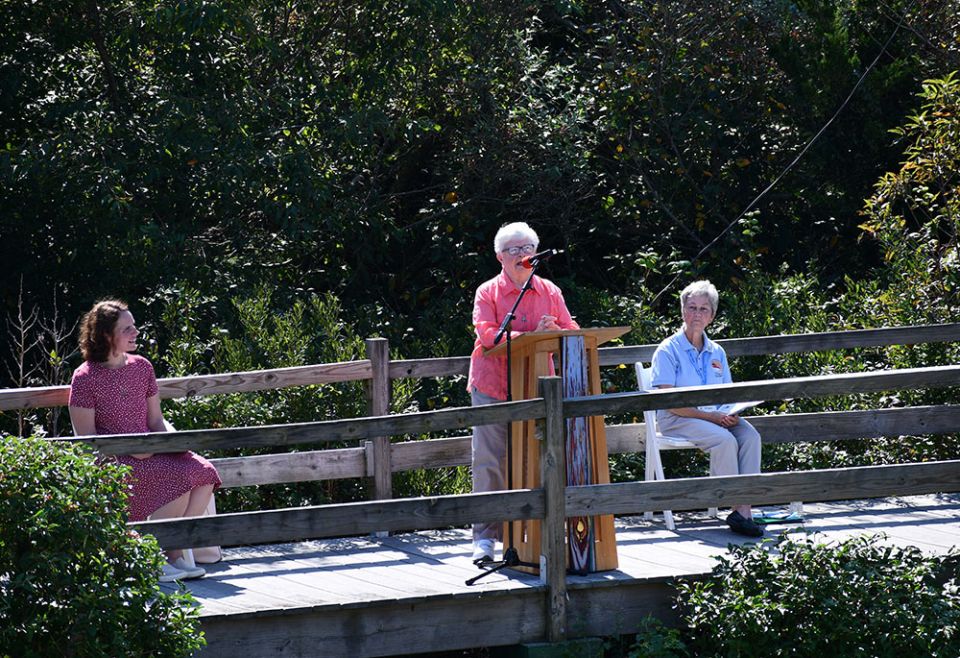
{"type": "Point", "coordinates": [377, 457]}
{"type": "Point", "coordinates": [553, 502]}
{"type": "Point", "coordinates": [328, 373]}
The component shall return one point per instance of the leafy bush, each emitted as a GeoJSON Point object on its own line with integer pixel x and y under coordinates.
{"type": "Point", "coordinates": [657, 641]}
{"type": "Point", "coordinates": [73, 580]}
{"type": "Point", "coordinates": [914, 213]}
{"type": "Point", "coordinates": [857, 598]}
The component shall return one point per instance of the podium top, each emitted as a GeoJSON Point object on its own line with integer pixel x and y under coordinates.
{"type": "Point", "coordinates": [602, 334]}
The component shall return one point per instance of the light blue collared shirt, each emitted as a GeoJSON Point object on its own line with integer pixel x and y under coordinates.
{"type": "Point", "coordinates": [676, 362]}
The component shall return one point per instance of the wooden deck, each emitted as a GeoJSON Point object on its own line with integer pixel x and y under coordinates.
{"type": "Point", "coordinates": [367, 596]}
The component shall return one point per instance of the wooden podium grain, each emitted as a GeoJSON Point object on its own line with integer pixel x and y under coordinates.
{"type": "Point", "coordinates": [591, 543]}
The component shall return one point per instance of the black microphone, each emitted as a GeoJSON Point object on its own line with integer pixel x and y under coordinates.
{"type": "Point", "coordinates": [533, 260]}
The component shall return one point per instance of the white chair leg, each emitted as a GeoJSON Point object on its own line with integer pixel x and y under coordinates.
{"type": "Point", "coordinates": [668, 520]}
{"type": "Point", "coordinates": [658, 473]}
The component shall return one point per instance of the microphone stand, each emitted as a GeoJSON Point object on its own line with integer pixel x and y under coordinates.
{"type": "Point", "coordinates": [511, 558]}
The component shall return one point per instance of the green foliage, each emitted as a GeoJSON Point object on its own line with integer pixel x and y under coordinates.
{"type": "Point", "coordinates": [370, 150]}
{"type": "Point", "coordinates": [857, 598]}
{"type": "Point", "coordinates": [914, 213]}
{"type": "Point", "coordinates": [433, 482]}
{"type": "Point", "coordinates": [657, 641]}
{"type": "Point", "coordinates": [260, 331]}
{"type": "Point", "coordinates": [252, 333]}
{"type": "Point", "coordinates": [73, 580]}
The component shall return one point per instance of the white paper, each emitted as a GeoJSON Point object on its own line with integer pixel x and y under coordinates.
{"type": "Point", "coordinates": [732, 408]}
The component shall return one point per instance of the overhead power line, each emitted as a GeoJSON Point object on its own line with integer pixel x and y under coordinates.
{"type": "Point", "coordinates": [794, 162]}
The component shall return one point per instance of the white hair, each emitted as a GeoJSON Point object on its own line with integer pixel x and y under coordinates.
{"type": "Point", "coordinates": [701, 288]}
{"type": "Point", "coordinates": [515, 231]}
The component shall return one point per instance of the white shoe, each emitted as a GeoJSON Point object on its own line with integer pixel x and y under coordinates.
{"type": "Point", "coordinates": [170, 573]}
{"type": "Point", "coordinates": [483, 551]}
{"type": "Point", "coordinates": [186, 564]}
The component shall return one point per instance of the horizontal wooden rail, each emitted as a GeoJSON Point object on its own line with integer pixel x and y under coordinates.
{"type": "Point", "coordinates": [734, 347]}
{"type": "Point", "coordinates": [261, 380]}
{"type": "Point", "coordinates": [286, 467]}
{"type": "Point", "coordinates": [186, 387]}
{"type": "Point", "coordinates": [54, 396]}
{"type": "Point", "coordinates": [818, 426]}
{"type": "Point", "coordinates": [626, 498]}
{"type": "Point", "coordinates": [316, 432]}
{"type": "Point", "coordinates": [765, 488]}
{"type": "Point", "coordinates": [338, 464]}
{"type": "Point", "coordinates": [345, 519]}
{"type": "Point", "coordinates": [462, 417]}
{"type": "Point", "coordinates": [443, 453]}
{"type": "Point", "coordinates": [864, 424]}
{"type": "Point", "coordinates": [792, 343]}
{"type": "Point", "coordinates": [770, 389]}
{"type": "Point", "coordinates": [421, 368]}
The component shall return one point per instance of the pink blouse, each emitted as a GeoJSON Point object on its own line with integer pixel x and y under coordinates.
{"type": "Point", "coordinates": [494, 299]}
{"type": "Point", "coordinates": [118, 395]}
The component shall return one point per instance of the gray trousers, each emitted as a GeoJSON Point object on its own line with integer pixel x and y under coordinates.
{"type": "Point", "coordinates": [733, 451]}
{"type": "Point", "coordinates": [488, 456]}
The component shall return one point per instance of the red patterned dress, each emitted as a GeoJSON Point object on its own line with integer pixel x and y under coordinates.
{"type": "Point", "coordinates": [119, 398]}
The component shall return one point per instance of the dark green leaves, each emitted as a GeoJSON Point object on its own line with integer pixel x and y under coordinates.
{"type": "Point", "coordinates": [73, 580]}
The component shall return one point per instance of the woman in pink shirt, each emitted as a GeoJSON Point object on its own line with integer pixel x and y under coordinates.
{"type": "Point", "coordinates": [115, 392]}
{"type": "Point", "coordinates": [541, 309]}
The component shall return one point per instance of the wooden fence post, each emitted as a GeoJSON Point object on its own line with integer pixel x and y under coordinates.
{"type": "Point", "coordinates": [553, 475]}
{"type": "Point", "coordinates": [378, 404]}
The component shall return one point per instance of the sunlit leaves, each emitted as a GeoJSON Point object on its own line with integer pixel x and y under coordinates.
{"type": "Point", "coordinates": [856, 598]}
{"type": "Point", "coordinates": [71, 571]}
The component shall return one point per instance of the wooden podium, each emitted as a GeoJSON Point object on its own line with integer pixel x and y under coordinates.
{"type": "Point", "coordinates": [590, 541]}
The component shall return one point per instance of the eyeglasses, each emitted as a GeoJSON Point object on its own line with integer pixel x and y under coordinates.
{"type": "Point", "coordinates": [704, 310]}
{"type": "Point", "coordinates": [525, 249]}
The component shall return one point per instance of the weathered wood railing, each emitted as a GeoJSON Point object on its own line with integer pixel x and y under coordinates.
{"type": "Point", "coordinates": [463, 417]}
{"type": "Point", "coordinates": [378, 458]}
{"type": "Point", "coordinates": [328, 373]}
{"type": "Point", "coordinates": [553, 502]}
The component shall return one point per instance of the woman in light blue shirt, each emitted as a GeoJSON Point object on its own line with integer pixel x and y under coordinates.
{"type": "Point", "coordinates": [690, 358]}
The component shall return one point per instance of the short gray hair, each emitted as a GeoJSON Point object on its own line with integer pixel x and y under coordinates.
{"type": "Point", "coordinates": [513, 231]}
{"type": "Point", "coordinates": [701, 288]}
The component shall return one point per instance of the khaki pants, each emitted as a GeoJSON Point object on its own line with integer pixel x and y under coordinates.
{"type": "Point", "coordinates": [488, 457]}
{"type": "Point", "coordinates": [733, 451]}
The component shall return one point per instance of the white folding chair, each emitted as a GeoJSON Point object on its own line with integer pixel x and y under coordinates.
{"type": "Point", "coordinates": [654, 440]}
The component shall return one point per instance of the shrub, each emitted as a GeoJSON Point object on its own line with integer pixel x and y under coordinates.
{"type": "Point", "coordinates": [73, 580]}
{"type": "Point", "coordinates": [657, 641]}
{"type": "Point", "coordinates": [856, 598]}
